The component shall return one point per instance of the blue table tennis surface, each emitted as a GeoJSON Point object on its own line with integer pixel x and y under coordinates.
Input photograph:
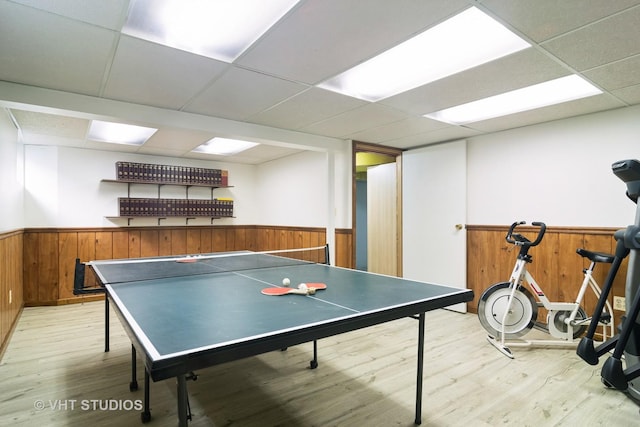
{"type": "Point", "coordinates": [195, 312]}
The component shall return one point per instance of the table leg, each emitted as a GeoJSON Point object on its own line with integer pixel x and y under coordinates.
{"type": "Point", "coordinates": [106, 323]}
{"type": "Point", "coordinates": [182, 401]}
{"type": "Point", "coordinates": [314, 363]}
{"type": "Point", "coordinates": [418, 419]}
{"type": "Point", "coordinates": [146, 415]}
{"type": "Point", "coordinates": [133, 385]}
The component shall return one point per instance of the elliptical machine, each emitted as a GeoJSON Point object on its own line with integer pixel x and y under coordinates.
{"type": "Point", "coordinates": [627, 342]}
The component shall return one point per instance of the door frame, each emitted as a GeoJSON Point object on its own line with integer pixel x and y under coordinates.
{"type": "Point", "coordinates": [358, 147]}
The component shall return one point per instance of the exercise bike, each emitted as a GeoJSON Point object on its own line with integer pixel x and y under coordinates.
{"type": "Point", "coordinates": [508, 310]}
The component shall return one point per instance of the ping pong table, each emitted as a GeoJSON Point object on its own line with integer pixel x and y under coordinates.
{"type": "Point", "coordinates": [185, 316]}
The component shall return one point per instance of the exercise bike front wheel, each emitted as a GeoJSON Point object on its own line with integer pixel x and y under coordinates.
{"type": "Point", "coordinates": [520, 318]}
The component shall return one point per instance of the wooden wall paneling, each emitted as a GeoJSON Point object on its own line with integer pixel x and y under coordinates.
{"type": "Point", "coordinates": [104, 245]}
{"type": "Point", "coordinates": [250, 239]}
{"type": "Point", "coordinates": [120, 244]}
{"type": "Point", "coordinates": [13, 257]}
{"type": "Point", "coordinates": [178, 241]}
{"type": "Point", "coordinates": [309, 240]}
{"type": "Point", "coordinates": [67, 254]}
{"type": "Point", "coordinates": [281, 239]}
{"type": "Point", "coordinates": [164, 242]}
{"type": "Point", "coordinates": [11, 281]}
{"type": "Point", "coordinates": [343, 252]}
{"type": "Point", "coordinates": [219, 240]}
{"type": "Point", "coordinates": [47, 266]}
{"type": "Point", "coordinates": [149, 242]}
{"type": "Point", "coordinates": [260, 238]}
{"type": "Point", "coordinates": [6, 318]}
{"type": "Point", "coordinates": [272, 238]}
{"type": "Point", "coordinates": [86, 245]}
{"type": "Point", "coordinates": [570, 267]}
{"type": "Point", "coordinates": [544, 268]}
{"type": "Point", "coordinates": [239, 238]}
{"type": "Point", "coordinates": [230, 239]}
{"type": "Point", "coordinates": [490, 260]}
{"type": "Point", "coordinates": [47, 257]}
{"type": "Point", "coordinates": [16, 245]}
{"type": "Point", "coordinates": [134, 243]}
{"type": "Point", "coordinates": [30, 268]}
{"type": "Point", "coordinates": [297, 238]}
{"type": "Point", "coordinates": [265, 238]}
{"type": "Point", "coordinates": [206, 242]}
{"type": "Point", "coordinates": [194, 241]}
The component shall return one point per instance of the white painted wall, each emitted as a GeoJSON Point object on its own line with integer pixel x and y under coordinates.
{"type": "Point", "coordinates": [558, 172]}
{"type": "Point", "coordinates": [293, 190]}
{"type": "Point", "coordinates": [63, 189]}
{"type": "Point", "coordinates": [11, 176]}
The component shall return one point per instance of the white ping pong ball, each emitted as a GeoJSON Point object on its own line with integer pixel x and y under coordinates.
{"type": "Point", "coordinates": [286, 281]}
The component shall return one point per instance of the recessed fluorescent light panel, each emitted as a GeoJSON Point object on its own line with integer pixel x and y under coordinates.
{"type": "Point", "coordinates": [224, 146]}
{"type": "Point", "coordinates": [118, 133]}
{"type": "Point", "coordinates": [467, 40]}
{"type": "Point", "coordinates": [541, 95]}
{"type": "Point", "coordinates": [220, 29]}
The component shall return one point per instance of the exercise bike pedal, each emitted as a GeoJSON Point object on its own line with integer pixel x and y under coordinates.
{"type": "Point", "coordinates": [605, 319]}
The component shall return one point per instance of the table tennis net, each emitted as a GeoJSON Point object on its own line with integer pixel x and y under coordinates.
{"type": "Point", "coordinates": [140, 269]}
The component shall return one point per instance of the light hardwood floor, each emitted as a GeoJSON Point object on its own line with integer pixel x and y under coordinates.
{"type": "Point", "coordinates": [365, 378]}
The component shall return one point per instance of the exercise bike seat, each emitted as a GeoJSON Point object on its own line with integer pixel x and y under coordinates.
{"type": "Point", "coordinates": [595, 256]}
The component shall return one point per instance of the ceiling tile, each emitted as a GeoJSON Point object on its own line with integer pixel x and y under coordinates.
{"type": "Point", "coordinates": [150, 74]}
{"type": "Point", "coordinates": [545, 19]}
{"type": "Point", "coordinates": [162, 151]}
{"type": "Point", "coordinates": [51, 51]}
{"type": "Point", "coordinates": [105, 146]}
{"type": "Point", "coordinates": [396, 130]}
{"type": "Point", "coordinates": [608, 40]}
{"type": "Point", "coordinates": [630, 95]}
{"type": "Point", "coordinates": [240, 93]}
{"type": "Point", "coordinates": [616, 75]}
{"type": "Point", "coordinates": [254, 156]}
{"type": "Point", "coordinates": [353, 121]}
{"type": "Point", "coordinates": [320, 39]}
{"type": "Point", "coordinates": [51, 124]}
{"type": "Point", "coordinates": [308, 107]}
{"type": "Point", "coordinates": [68, 57]}
{"type": "Point", "coordinates": [109, 14]}
{"type": "Point", "coordinates": [448, 133]}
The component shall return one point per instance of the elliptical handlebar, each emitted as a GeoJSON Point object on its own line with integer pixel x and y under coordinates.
{"type": "Point", "coordinates": [520, 240]}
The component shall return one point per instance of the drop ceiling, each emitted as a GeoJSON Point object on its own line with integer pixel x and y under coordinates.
{"type": "Point", "coordinates": [66, 62]}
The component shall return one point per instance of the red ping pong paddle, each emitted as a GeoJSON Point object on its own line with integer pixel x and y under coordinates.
{"type": "Point", "coordinates": [310, 289]}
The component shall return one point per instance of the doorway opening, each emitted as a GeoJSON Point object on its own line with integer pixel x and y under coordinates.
{"type": "Point", "coordinates": [377, 208]}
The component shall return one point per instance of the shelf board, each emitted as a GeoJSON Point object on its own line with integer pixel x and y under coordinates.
{"type": "Point", "coordinates": [180, 184]}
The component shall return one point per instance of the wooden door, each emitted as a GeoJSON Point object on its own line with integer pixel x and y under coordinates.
{"type": "Point", "coordinates": [382, 219]}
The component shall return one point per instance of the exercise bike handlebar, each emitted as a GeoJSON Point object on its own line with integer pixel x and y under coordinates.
{"type": "Point", "coordinates": [519, 239]}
